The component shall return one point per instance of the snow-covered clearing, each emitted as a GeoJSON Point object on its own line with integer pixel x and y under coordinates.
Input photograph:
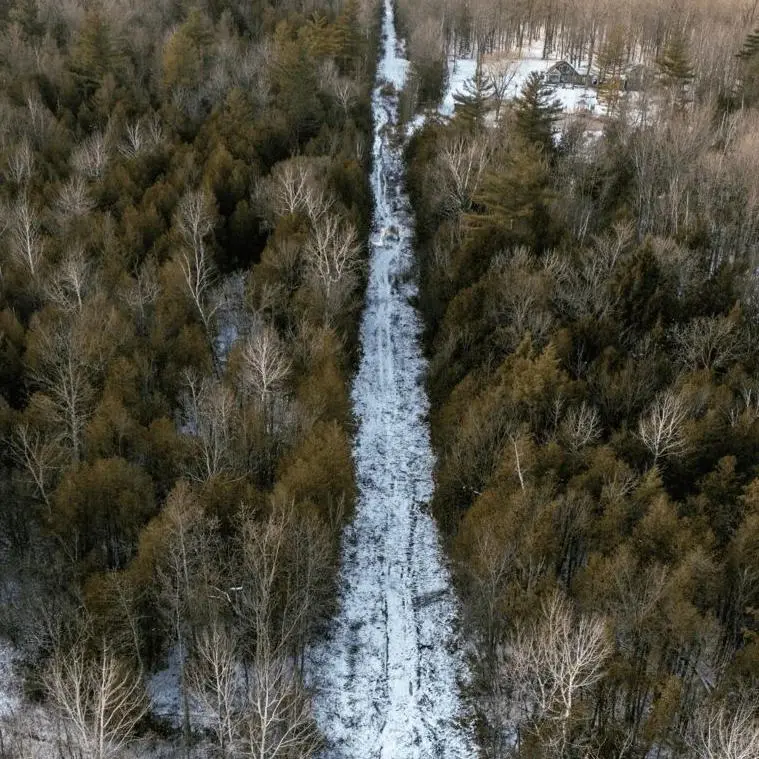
{"type": "Point", "coordinates": [573, 98]}
{"type": "Point", "coordinates": [387, 678]}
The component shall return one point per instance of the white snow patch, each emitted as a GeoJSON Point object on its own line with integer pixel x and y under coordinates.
{"type": "Point", "coordinates": [10, 684]}
{"type": "Point", "coordinates": [393, 66]}
{"type": "Point", "coordinates": [387, 679]}
{"type": "Point", "coordinates": [460, 71]}
{"type": "Point", "coordinates": [164, 689]}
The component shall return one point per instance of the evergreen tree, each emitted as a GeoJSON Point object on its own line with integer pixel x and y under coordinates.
{"type": "Point", "coordinates": [347, 33]}
{"type": "Point", "coordinates": [95, 52]}
{"type": "Point", "coordinates": [611, 64]}
{"type": "Point", "coordinates": [187, 52]}
{"type": "Point", "coordinates": [536, 112]}
{"type": "Point", "coordinates": [472, 105]}
{"type": "Point", "coordinates": [26, 14]}
{"type": "Point", "coordinates": [511, 203]}
{"type": "Point", "coordinates": [750, 46]}
{"type": "Point", "coordinates": [676, 69]}
{"type": "Point", "coordinates": [749, 59]}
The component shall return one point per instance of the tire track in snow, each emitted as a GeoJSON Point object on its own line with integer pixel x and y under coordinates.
{"type": "Point", "coordinates": [387, 679]}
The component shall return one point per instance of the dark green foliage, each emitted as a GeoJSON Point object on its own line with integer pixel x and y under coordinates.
{"type": "Point", "coordinates": [676, 69]}
{"type": "Point", "coordinates": [536, 112]}
{"type": "Point", "coordinates": [749, 59]}
{"type": "Point", "coordinates": [473, 103]}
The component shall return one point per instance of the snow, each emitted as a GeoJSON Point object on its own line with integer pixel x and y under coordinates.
{"type": "Point", "coordinates": [460, 71]}
{"type": "Point", "coordinates": [387, 677]}
{"type": "Point", "coordinates": [10, 685]}
{"type": "Point", "coordinates": [393, 67]}
{"type": "Point", "coordinates": [574, 99]}
{"type": "Point", "coordinates": [164, 689]}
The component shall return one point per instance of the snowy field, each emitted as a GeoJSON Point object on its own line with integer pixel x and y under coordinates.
{"type": "Point", "coordinates": [387, 679]}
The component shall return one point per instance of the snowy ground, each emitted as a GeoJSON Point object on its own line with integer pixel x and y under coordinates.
{"type": "Point", "coordinates": [574, 99]}
{"type": "Point", "coordinates": [10, 684]}
{"type": "Point", "coordinates": [387, 679]}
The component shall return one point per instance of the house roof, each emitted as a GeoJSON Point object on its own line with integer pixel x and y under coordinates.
{"type": "Point", "coordinates": [563, 66]}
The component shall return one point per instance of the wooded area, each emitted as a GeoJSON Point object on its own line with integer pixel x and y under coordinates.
{"type": "Point", "coordinates": [183, 209]}
{"type": "Point", "coordinates": [591, 311]}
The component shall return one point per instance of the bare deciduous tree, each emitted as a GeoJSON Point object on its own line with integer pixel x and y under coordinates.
{"type": "Point", "coordinates": [296, 186]}
{"type": "Point", "coordinates": [90, 159]}
{"type": "Point", "coordinates": [100, 699]}
{"type": "Point", "coordinates": [63, 369]}
{"type": "Point", "coordinates": [21, 163]}
{"type": "Point", "coordinates": [209, 410]}
{"type": "Point", "coordinates": [195, 221]}
{"type": "Point", "coordinates": [333, 261]}
{"type": "Point", "coordinates": [186, 578]}
{"type": "Point", "coordinates": [581, 426]}
{"type": "Point", "coordinates": [707, 342]}
{"type": "Point", "coordinates": [277, 722]}
{"type": "Point", "coordinates": [551, 663]}
{"type": "Point", "coordinates": [137, 139]}
{"type": "Point", "coordinates": [143, 291]}
{"type": "Point", "coordinates": [723, 733]}
{"type": "Point", "coordinates": [70, 281]}
{"type": "Point", "coordinates": [74, 199]}
{"type": "Point", "coordinates": [39, 456]}
{"type": "Point", "coordinates": [26, 245]}
{"type": "Point", "coordinates": [501, 74]}
{"type": "Point", "coordinates": [214, 676]}
{"type": "Point", "coordinates": [661, 428]}
{"type": "Point", "coordinates": [265, 363]}
{"type": "Point", "coordinates": [462, 162]}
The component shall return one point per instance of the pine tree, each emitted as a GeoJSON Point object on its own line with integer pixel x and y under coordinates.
{"type": "Point", "coordinates": [536, 112]}
{"type": "Point", "coordinates": [611, 63]}
{"type": "Point", "coordinates": [321, 37]}
{"type": "Point", "coordinates": [472, 105]}
{"type": "Point", "coordinates": [749, 58]}
{"type": "Point", "coordinates": [676, 69]}
{"type": "Point", "coordinates": [347, 33]}
{"type": "Point", "coordinates": [750, 46]}
{"type": "Point", "coordinates": [513, 197]}
{"type": "Point", "coordinates": [26, 14]}
{"type": "Point", "coordinates": [95, 52]}
{"type": "Point", "coordinates": [187, 52]}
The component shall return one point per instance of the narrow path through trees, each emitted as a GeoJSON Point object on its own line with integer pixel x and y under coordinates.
{"type": "Point", "coordinates": [387, 679]}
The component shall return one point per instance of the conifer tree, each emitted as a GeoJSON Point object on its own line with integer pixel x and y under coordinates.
{"type": "Point", "coordinates": [95, 52]}
{"type": "Point", "coordinates": [676, 69]}
{"type": "Point", "coordinates": [348, 35]}
{"type": "Point", "coordinates": [749, 58]}
{"type": "Point", "coordinates": [536, 112]}
{"type": "Point", "coordinates": [611, 63]}
{"type": "Point", "coordinates": [473, 103]}
{"type": "Point", "coordinates": [750, 46]}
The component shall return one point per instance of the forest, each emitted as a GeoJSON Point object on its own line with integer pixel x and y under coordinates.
{"type": "Point", "coordinates": [590, 302]}
{"type": "Point", "coordinates": [183, 208]}
{"type": "Point", "coordinates": [185, 216]}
